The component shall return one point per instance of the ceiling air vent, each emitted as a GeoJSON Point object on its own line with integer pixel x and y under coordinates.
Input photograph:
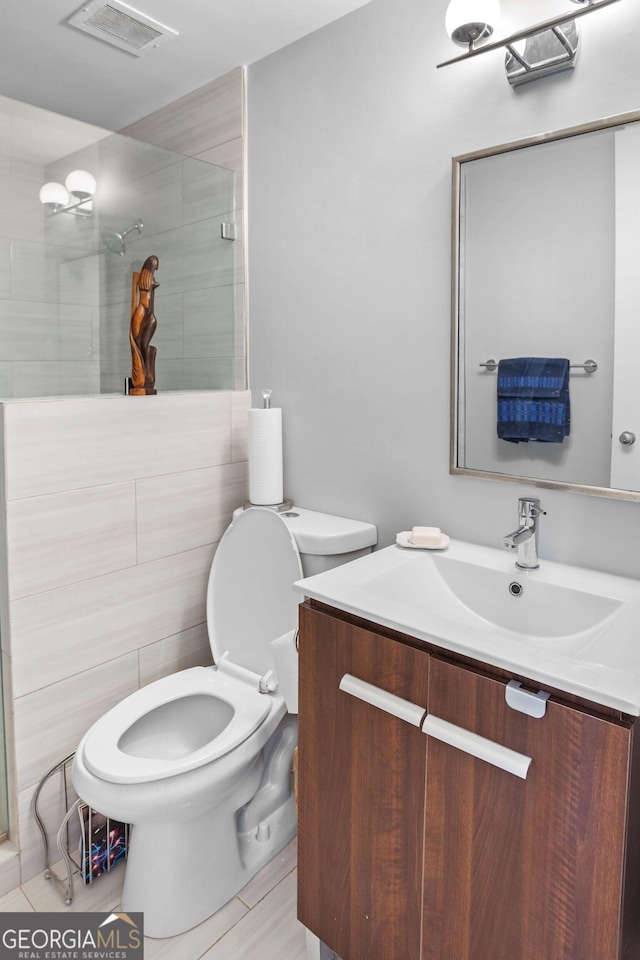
{"type": "Point", "coordinates": [122, 26]}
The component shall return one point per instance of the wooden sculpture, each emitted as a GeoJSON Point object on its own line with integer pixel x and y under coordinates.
{"type": "Point", "coordinates": [142, 328]}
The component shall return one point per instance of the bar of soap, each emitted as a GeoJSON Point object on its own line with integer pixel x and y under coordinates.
{"type": "Point", "coordinates": [426, 536]}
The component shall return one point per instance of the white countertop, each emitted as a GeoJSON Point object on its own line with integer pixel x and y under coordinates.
{"type": "Point", "coordinates": [573, 629]}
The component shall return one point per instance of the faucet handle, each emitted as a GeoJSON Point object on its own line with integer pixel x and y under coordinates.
{"type": "Point", "coordinates": [529, 507]}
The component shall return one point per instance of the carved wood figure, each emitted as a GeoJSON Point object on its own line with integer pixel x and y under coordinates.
{"type": "Point", "coordinates": [142, 328]}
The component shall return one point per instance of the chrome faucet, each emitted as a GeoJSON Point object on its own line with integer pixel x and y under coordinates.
{"type": "Point", "coordinates": [525, 538]}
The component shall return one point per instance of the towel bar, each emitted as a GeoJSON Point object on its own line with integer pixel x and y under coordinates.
{"type": "Point", "coordinates": [589, 365]}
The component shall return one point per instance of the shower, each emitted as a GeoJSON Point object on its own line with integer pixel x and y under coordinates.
{"type": "Point", "coordinates": [114, 242]}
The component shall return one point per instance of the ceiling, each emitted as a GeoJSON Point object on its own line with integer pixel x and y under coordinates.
{"type": "Point", "coordinates": [50, 64]}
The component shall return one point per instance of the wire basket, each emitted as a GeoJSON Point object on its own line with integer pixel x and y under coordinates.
{"type": "Point", "coordinates": [103, 842]}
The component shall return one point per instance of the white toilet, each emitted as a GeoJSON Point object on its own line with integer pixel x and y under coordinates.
{"type": "Point", "coordinates": [199, 763]}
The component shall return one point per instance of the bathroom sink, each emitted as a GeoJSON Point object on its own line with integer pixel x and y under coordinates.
{"type": "Point", "coordinates": [486, 592]}
{"type": "Point", "coordinates": [574, 628]}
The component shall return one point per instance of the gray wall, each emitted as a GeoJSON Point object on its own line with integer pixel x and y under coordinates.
{"type": "Point", "coordinates": [350, 137]}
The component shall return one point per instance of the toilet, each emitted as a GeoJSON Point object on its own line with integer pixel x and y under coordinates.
{"type": "Point", "coordinates": [199, 762]}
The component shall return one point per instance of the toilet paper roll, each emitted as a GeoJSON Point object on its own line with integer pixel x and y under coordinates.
{"type": "Point", "coordinates": [285, 660]}
{"type": "Point", "coordinates": [265, 455]}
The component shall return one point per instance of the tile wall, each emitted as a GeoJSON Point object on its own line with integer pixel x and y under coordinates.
{"type": "Point", "coordinates": [48, 282]}
{"type": "Point", "coordinates": [112, 508]}
{"type": "Point", "coordinates": [181, 204]}
{"type": "Point", "coordinates": [208, 124]}
{"type": "Point", "coordinates": [65, 303]}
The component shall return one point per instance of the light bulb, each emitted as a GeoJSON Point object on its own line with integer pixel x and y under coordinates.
{"type": "Point", "coordinates": [81, 184]}
{"type": "Point", "coordinates": [467, 21]}
{"type": "Point", "coordinates": [54, 195]}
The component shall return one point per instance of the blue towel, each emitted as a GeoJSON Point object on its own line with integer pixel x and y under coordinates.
{"type": "Point", "coordinates": [533, 399]}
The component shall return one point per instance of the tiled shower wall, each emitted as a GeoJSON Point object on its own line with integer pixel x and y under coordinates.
{"type": "Point", "coordinates": [182, 207]}
{"type": "Point", "coordinates": [113, 507]}
{"type": "Point", "coordinates": [63, 320]}
{"type": "Point", "coordinates": [48, 284]}
{"type": "Point", "coordinates": [208, 124]}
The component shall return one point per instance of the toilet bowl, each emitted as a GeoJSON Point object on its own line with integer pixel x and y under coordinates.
{"type": "Point", "coordinates": [199, 762]}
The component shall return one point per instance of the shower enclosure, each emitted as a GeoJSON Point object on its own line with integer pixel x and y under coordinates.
{"type": "Point", "coordinates": [65, 273]}
{"type": "Point", "coordinates": [66, 268]}
{"type": "Point", "coordinates": [4, 797]}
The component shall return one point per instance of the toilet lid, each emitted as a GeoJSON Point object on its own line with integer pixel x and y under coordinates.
{"type": "Point", "coordinates": [250, 598]}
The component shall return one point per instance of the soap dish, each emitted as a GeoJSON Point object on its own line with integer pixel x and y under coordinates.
{"type": "Point", "coordinates": [404, 540]}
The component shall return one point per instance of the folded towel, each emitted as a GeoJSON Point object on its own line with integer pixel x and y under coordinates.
{"type": "Point", "coordinates": [533, 399]}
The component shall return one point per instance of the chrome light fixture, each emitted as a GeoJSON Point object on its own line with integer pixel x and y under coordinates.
{"type": "Point", "coordinates": [74, 197]}
{"type": "Point", "coordinates": [542, 54]}
{"type": "Point", "coordinates": [471, 21]}
{"type": "Point", "coordinates": [540, 50]}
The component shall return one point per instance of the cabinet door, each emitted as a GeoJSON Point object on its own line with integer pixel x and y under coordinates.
{"type": "Point", "coordinates": [360, 793]}
{"type": "Point", "coordinates": [523, 869]}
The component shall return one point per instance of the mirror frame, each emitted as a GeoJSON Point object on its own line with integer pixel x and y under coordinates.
{"type": "Point", "coordinates": [454, 468]}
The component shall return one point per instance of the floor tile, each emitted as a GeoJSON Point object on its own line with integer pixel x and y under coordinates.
{"type": "Point", "coordinates": [15, 902]}
{"type": "Point", "coordinates": [259, 924]}
{"type": "Point", "coordinates": [103, 895]}
{"type": "Point", "coordinates": [268, 932]}
{"type": "Point", "coordinates": [192, 944]}
{"type": "Point", "coordinates": [270, 875]}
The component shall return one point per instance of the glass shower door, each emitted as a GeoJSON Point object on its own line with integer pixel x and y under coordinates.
{"type": "Point", "coordinates": [4, 804]}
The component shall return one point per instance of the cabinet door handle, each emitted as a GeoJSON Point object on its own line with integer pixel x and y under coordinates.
{"type": "Point", "coordinates": [377, 697]}
{"type": "Point", "coordinates": [477, 746]}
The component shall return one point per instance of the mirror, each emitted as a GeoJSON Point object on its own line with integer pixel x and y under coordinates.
{"type": "Point", "coordinates": [546, 234]}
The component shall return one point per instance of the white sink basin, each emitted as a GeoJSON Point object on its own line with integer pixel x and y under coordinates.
{"type": "Point", "coordinates": [486, 592]}
{"type": "Point", "coordinates": [572, 628]}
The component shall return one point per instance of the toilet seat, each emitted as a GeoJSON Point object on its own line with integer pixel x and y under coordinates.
{"type": "Point", "coordinates": [251, 599]}
{"type": "Point", "coordinates": [102, 747]}
{"type": "Point", "coordinates": [151, 735]}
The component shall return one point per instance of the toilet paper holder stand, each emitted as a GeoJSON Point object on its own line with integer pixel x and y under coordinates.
{"type": "Point", "coordinates": [278, 507]}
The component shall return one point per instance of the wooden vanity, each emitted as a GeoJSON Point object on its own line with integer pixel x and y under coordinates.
{"type": "Point", "coordinates": [410, 849]}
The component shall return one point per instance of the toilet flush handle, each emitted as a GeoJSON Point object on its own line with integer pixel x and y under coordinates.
{"type": "Point", "coordinates": [268, 683]}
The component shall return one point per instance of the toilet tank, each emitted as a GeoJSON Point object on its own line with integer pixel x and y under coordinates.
{"type": "Point", "coordinates": [325, 541]}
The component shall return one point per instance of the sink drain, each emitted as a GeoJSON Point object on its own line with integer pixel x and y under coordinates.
{"type": "Point", "coordinates": [516, 589]}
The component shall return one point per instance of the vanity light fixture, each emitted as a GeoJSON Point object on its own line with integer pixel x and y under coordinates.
{"type": "Point", "coordinates": [544, 48]}
{"type": "Point", "coordinates": [543, 54]}
{"type": "Point", "coordinates": [471, 21]}
{"type": "Point", "coordinates": [74, 197]}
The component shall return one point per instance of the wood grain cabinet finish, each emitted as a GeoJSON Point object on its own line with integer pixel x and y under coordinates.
{"type": "Point", "coordinates": [523, 869]}
{"type": "Point", "coordinates": [411, 849]}
{"type": "Point", "coordinates": [360, 793]}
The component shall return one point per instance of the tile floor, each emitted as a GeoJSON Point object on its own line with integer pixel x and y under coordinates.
{"type": "Point", "coordinates": [258, 924]}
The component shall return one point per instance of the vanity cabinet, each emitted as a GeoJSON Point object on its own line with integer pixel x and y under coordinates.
{"type": "Point", "coordinates": [523, 868]}
{"type": "Point", "coordinates": [410, 847]}
{"type": "Point", "coordinates": [360, 793]}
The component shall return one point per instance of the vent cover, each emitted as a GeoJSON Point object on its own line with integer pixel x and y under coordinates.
{"type": "Point", "coordinates": [122, 26]}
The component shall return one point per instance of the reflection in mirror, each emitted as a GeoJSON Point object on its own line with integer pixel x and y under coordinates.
{"type": "Point", "coordinates": [65, 279]}
{"type": "Point", "coordinates": [546, 234]}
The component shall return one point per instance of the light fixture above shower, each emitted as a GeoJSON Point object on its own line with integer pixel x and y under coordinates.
{"type": "Point", "coordinates": [75, 196]}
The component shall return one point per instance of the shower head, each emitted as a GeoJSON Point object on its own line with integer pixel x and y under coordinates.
{"type": "Point", "coordinates": [114, 242]}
